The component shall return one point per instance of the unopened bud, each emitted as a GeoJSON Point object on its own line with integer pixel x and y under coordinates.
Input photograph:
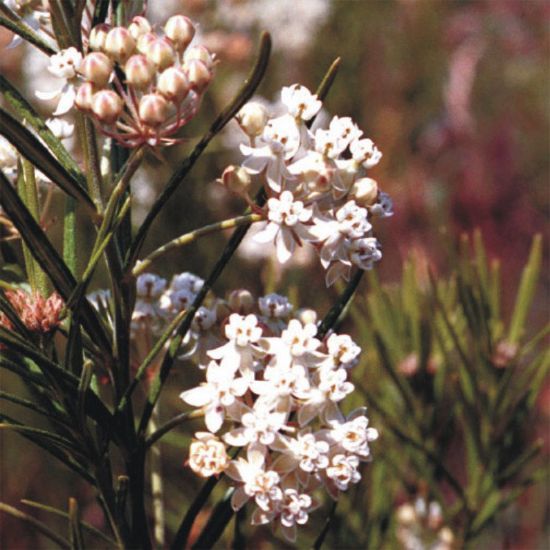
{"type": "Point", "coordinates": [223, 311]}
{"type": "Point", "coordinates": [173, 84]}
{"type": "Point", "coordinates": [140, 72]}
{"type": "Point", "coordinates": [199, 53]}
{"type": "Point", "coordinates": [107, 106]}
{"type": "Point", "coordinates": [83, 98]}
{"type": "Point", "coordinates": [96, 67]}
{"type": "Point", "coordinates": [198, 74]}
{"type": "Point", "coordinates": [119, 44]}
{"type": "Point", "coordinates": [236, 179]}
{"type": "Point", "coordinates": [307, 316]}
{"type": "Point", "coordinates": [153, 109]}
{"type": "Point", "coordinates": [97, 37]}
{"type": "Point", "coordinates": [180, 31]}
{"type": "Point", "coordinates": [144, 41]}
{"type": "Point", "coordinates": [242, 301]}
{"type": "Point", "coordinates": [138, 27]}
{"type": "Point", "coordinates": [161, 53]}
{"type": "Point", "coordinates": [364, 191]}
{"type": "Point", "coordinates": [252, 118]}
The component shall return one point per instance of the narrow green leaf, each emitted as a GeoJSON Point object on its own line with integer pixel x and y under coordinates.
{"type": "Point", "coordinates": [24, 31]}
{"type": "Point", "coordinates": [28, 376]}
{"type": "Point", "coordinates": [38, 525]}
{"type": "Point", "coordinates": [526, 291]}
{"type": "Point", "coordinates": [50, 509]}
{"type": "Point", "coordinates": [69, 235]}
{"type": "Point", "coordinates": [35, 152]}
{"type": "Point", "coordinates": [48, 258]}
{"type": "Point", "coordinates": [216, 524]}
{"type": "Point", "coordinates": [26, 112]}
{"type": "Point", "coordinates": [75, 530]}
{"type": "Point", "coordinates": [487, 512]}
{"type": "Point", "coordinates": [32, 406]}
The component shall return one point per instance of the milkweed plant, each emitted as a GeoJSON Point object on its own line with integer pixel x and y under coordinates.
{"type": "Point", "coordinates": [275, 411]}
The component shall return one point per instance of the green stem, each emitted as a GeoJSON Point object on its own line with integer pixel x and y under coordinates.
{"type": "Point", "coordinates": [192, 236]}
{"type": "Point", "coordinates": [37, 277]}
{"type": "Point", "coordinates": [69, 235]}
{"type": "Point", "coordinates": [246, 92]}
{"type": "Point", "coordinates": [157, 489]}
{"type": "Point", "coordinates": [171, 424]}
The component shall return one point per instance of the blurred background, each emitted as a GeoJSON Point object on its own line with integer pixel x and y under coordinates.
{"type": "Point", "coordinates": [454, 93]}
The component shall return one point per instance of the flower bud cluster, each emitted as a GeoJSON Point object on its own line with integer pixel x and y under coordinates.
{"type": "Point", "coordinates": [316, 182]}
{"type": "Point", "coordinates": [140, 86]}
{"type": "Point", "coordinates": [37, 313]}
{"type": "Point", "coordinates": [420, 525]}
{"type": "Point", "coordinates": [271, 387]}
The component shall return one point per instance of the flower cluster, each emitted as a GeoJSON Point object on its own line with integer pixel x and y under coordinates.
{"type": "Point", "coordinates": [316, 183]}
{"type": "Point", "coordinates": [138, 85]}
{"type": "Point", "coordinates": [272, 388]}
{"type": "Point", "coordinates": [420, 527]}
{"type": "Point", "coordinates": [37, 313]}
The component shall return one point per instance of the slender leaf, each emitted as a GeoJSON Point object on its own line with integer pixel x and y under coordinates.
{"type": "Point", "coordinates": [38, 525]}
{"type": "Point", "coordinates": [25, 111]}
{"type": "Point", "coordinates": [24, 31]}
{"type": "Point", "coordinates": [90, 528]}
{"type": "Point", "coordinates": [526, 291]}
{"type": "Point", "coordinates": [35, 152]}
{"type": "Point", "coordinates": [48, 258]}
{"type": "Point", "coordinates": [75, 527]}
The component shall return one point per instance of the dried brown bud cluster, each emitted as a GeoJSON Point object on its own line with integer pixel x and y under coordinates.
{"type": "Point", "coordinates": [161, 87]}
{"type": "Point", "coordinates": [37, 313]}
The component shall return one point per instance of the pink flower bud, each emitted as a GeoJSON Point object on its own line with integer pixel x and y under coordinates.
{"type": "Point", "coordinates": [201, 54]}
{"type": "Point", "coordinates": [153, 109]}
{"type": "Point", "coordinates": [97, 37]}
{"type": "Point", "coordinates": [96, 67]}
{"type": "Point", "coordinates": [236, 179]}
{"type": "Point", "coordinates": [161, 53]}
{"type": "Point", "coordinates": [140, 72]}
{"type": "Point", "coordinates": [84, 95]}
{"type": "Point", "coordinates": [252, 118]}
{"type": "Point", "coordinates": [241, 301]}
{"type": "Point", "coordinates": [198, 74]}
{"type": "Point", "coordinates": [144, 41]}
{"type": "Point", "coordinates": [180, 30]}
{"type": "Point", "coordinates": [119, 44]}
{"type": "Point", "coordinates": [139, 26]}
{"type": "Point", "coordinates": [364, 191]}
{"type": "Point", "coordinates": [173, 84]}
{"type": "Point", "coordinates": [107, 106]}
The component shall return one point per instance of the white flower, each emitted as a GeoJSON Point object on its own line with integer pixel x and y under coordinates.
{"type": "Point", "coordinates": [187, 281]}
{"type": "Point", "coordinates": [342, 351]}
{"type": "Point", "coordinates": [8, 158]}
{"type": "Point", "coordinates": [343, 471]}
{"type": "Point", "coordinates": [174, 301]}
{"type": "Point", "coordinates": [286, 225]}
{"type": "Point", "coordinates": [60, 128]}
{"type": "Point", "coordinates": [364, 252]}
{"type": "Point", "coordinates": [307, 452]}
{"type": "Point", "coordinates": [216, 394]}
{"type": "Point", "coordinates": [239, 352]}
{"type": "Point", "coordinates": [150, 286]}
{"type": "Point", "coordinates": [63, 65]}
{"type": "Point", "coordinates": [258, 483]}
{"type": "Point", "coordinates": [204, 319]}
{"type": "Point", "coordinates": [300, 102]}
{"type": "Point", "coordinates": [294, 510]}
{"type": "Point", "coordinates": [274, 305]}
{"type": "Point", "coordinates": [321, 400]}
{"type": "Point", "coordinates": [383, 207]}
{"type": "Point", "coordinates": [280, 141]}
{"type": "Point", "coordinates": [329, 144]}
{"type": "Point", "coordinates": [365, 152]}
{"type": "Point", "coordinates": [354, 436]}
{"type": "Point", "coordinates": [207, 455]}
{"type": "Point", "coordinates": [315, 172]}
{"type": "Point", "coordinates": [345, 129]}
{"type": "Point", "coordinates": [259, 425]}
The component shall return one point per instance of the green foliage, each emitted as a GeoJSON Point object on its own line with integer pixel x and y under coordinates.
{"type": "Point", "coordinates": [454, 386]}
